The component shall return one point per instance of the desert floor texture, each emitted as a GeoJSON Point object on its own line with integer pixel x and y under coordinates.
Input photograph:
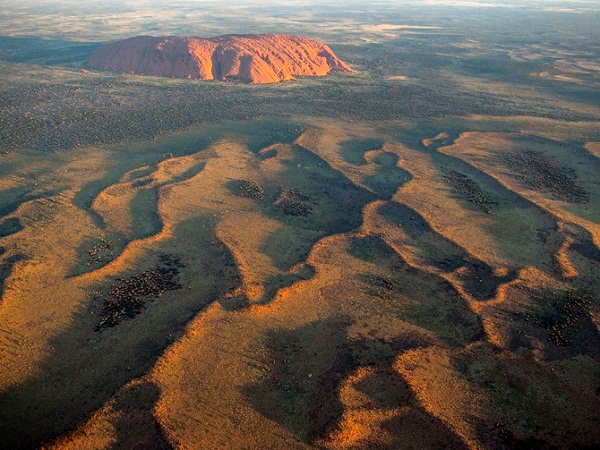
{"type": "Point", "coordinates": [406, 257]}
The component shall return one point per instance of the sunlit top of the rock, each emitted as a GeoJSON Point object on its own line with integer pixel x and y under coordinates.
{"type": "Point", "coordinates": [263, 58]}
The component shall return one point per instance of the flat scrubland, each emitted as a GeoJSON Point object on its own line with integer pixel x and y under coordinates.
{"type": "Point", "coordinates": [403, 258]}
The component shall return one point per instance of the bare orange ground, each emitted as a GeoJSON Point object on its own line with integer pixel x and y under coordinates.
{"type": "Point", "coordinates": [593, 148]}
{"type": "Point", "coordinates": [440, 139]}
{"type": "Point", "coordinates": [377, 346]}
{"type": "Point", "coordinates": [443, 391]}
{"type": "Point", "coordinates": [568, 270]}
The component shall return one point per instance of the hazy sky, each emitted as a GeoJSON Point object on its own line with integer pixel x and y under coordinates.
{"type": "Point", "coordinates": [535, 4]}
{"type": "Point", "coordinates": [101, 20]}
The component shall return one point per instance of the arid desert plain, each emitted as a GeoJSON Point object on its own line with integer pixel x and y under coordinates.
{"type": "Point", "coordinates": [404, 256]}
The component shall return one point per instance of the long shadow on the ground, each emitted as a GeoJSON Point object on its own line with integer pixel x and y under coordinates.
{"type": "Point", "coordinates": [89, 366]}
{"type": "Point", "coordinates": [303, 391]}
{"type": "Point", "coordinates": [477, 277]}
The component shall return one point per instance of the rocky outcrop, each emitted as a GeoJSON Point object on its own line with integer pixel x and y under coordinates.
{"type": "Point", "coordinates": [262, 58]}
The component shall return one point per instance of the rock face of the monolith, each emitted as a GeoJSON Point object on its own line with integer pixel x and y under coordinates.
{"type": "Point", "coordinates": [261, 58]}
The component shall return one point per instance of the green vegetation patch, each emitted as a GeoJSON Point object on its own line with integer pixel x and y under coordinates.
{"type": "Point", "coordinates": [465, 186]}
{"type": "Point", "coordinates": [101, 252]}
{"type": "Point", "coordinates": [543, 174]}
{"type": "Point", "coordinates": [294, 203]}
{"type": "Point", "coordinates": [128, 296]}
{"type": "Point", "coordinates": [249, 189]}
{"type": "Point", "coordinates": [562, 312]}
